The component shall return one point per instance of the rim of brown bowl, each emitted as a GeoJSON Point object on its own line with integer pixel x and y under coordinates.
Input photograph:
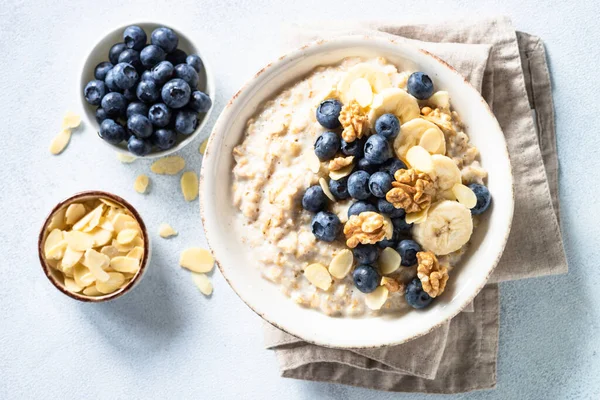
{"type": "Point", "coordinates": [47, 268]}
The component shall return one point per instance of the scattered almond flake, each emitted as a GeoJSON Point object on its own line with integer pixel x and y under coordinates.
{"type": "Point", "coordinates": [171, 165]}
{"type": "Point", "coordinates": [60, 142]}
{"type": "Point", "coordinates": [70, 258]}
{"type": "Point", "coordinates": [127, 235]}
{"type": "Point", "coordinates": [79, 241]}
{"type": "Point", "coordinates": [197, 260]}
{"type": "Point", "coordinates": [166, 231]}
{"type": "Point", "coordinates": [203, 283]}
{"type": "Point", "coordinates": [71, 120]}
{"type": "Point", "coordinates": [120, 220]}
{"type": "Point", "coordinates": [141, 183]}
{"type": "Point", "coordinates": [115, 281]}
{"type": "Point", "coordinates": [325, 188]}
{"type": "Point", "coordinates": [101, 236]}
{"type": "Point", "coordinates": [125, 264]}
{"type": "Point", "coordinates": [318, 275]}
{"type": "Point", "coordinates": [465, 195]}
{"type": "Point", "coordinates": [72, 286]}
{"type": "Point", "coordinates": [312, 162]}
{"type": "Point", "coordinates": [389, 261]}
{"type": "Point", "coordinates": [96, 262]}
{"type": "Point", "coordinates": [74, 213]}
{"type": "Point", "coordinates": [340, 173]}
{"type": "Point", "coordinates": [202, 148]}
{"type": "Point", "coordinates": [189, 185]}
{"type": "Point", "coordinates": [82, 275]}
{"type": "Point", "coordinates": [377, 298]}
{"type": "Point", "coordinates": [92, 291]}
{"type": "Point", "coordinates": [341, 264]}
{"type": "Point", "coordinates": [54, 238]}
{"type": "Point", "coordinates": [137, 253]}
{"type": "Point", "coordinates": [126, 158]}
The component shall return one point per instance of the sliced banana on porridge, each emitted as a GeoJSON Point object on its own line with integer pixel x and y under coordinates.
{"type": "Point", "coordinates": [394, 101]}
{"type": "Point", "coordinates": [422, 133]}
{"type": "Point", "coordinates": [447, 175]}
{"type": "Point", "coordinates": [448, 227]}
{"type": "Point", "coordinates": [374, 76]}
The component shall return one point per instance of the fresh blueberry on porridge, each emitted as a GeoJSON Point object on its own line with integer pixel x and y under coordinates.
{"type": "Point", "coordinates": [359, 176]}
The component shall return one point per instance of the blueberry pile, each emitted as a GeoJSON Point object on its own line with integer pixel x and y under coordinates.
{"type": "Point", "coordinates": [147, 93]}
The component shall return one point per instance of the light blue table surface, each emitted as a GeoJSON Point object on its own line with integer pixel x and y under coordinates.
{"type": "Point", "coordinates": [165, 340]}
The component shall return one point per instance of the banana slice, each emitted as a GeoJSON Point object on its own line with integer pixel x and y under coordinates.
{"type": "Point", "coordinates": [447, 228]}
{"type": "Point", "coordinates": [447, 174]}
{"type": "Point", "coordinates": [420, 132]}
{"type": "Point", "coordinates": [394, 101]}
{"type": "Point", "coordinates": [374, 75]}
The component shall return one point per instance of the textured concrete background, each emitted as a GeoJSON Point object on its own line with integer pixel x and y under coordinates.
{"type": "Point", "coordinates": [165, 339]}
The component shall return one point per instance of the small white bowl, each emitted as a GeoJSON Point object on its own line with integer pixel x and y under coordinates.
{"type": "Point", "coordinates": [100, 53]}
{"type": "Point", "coordinates": [236, 261]}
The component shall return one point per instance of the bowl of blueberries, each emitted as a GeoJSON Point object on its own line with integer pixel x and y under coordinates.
{"type": "Point", "coordinates": [147, 90]}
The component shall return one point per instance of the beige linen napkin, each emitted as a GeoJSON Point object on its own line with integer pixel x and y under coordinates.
{"type": "Point", "coordinates": [510, 70]}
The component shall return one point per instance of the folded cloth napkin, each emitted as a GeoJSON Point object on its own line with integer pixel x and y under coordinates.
{"type": "Point", "coordinates": [510, 70]}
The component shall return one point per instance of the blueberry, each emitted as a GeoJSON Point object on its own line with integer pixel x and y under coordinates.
{"type": "Point", "coordinates": [354, 148]}
{"type": "Point", "coordinates": [101, 70]}
{"type": "Point", "coordinates": [377, 149]}
{"type": "Point", "coordinates": [385, 207]}
{"type": "Point", "coordinates": [380, 183]}
{"type": "Point", "coordinates": [101, 115]}
{"type": "Point", "coordinates": [115, 51]}
{"type": "Point", "coordinates": [147, 75]}
{"type": "Point", "coordinates": [195, 62]}
{"type": "Point", "coordinates": [186, 121]}
{"type": "Point", "coordinates": [148, 91]}
{"type": "Point", "coordinates": [111, 131]}
{"type": "Point", "coordinates": [139, 125]}
{"type": "Point", "coordinates": [365, 253]}
{"type": "Point", "coordinates": [160, 115]}
{"type": "Point", "coordinates": [420, 85]}
{"type": "Point", "coordinates": [151, 55]}
{"type": "Point", "coordinates": [109, 80]}
{"type": "Point", "coordinates": [164, 139]}
{"type": "Point", "coordinates": [408, 250]}
{"type": "Point", "coordinates": [401, 225]}
{"type": "Point", "coordinates": [387, 126]}
{"type": "Point", "coordinates": [364, 165]}
{"type": "Point", "coordinates": [366, 278]}
{"type": "Point", "coordinates": [328, 113]}
{"type": "Point", "coordinates": [131, 56]}
{"type": "Point", "coordinates": [187, 73]}
{"type": "Point", "coordinates": [326, 226]}
{"type": "Point", "coordinates": [137, 107]}
{"type": "Point", "coordinates": [176, 93]}
{"type": "Point", "coordinates": [130, 94]}
{"type": "Point", "coordinates": [162, 72]}
{"type": "Point", "coordinates": [199, 101]}
{"type": "Point", "coordinates": [415, 296]}
{"type": "Point", "coordinates": [327, 145]}
{"type": "Point", "coordinates": [358, 185]}
{"type": "Point", "coordinates": [139, 147]}
{"type": "Point", "coordinates": [484, 198]}
{"type": "Point", "coordinates": [125, 75]}
{"type": "Point", "coordinates": [314, 200]}
{"type": "Point", "coordinates": [164, 38]}
{"type": "Point", "coordinates": [392, 165]}
{"type": "Point", "coordinates": [177, 57]}
{"type": "Point", "coordinates": [134, 37]}
{"type": "Point", "coordinates": [339, 188]}
{"type": "Point", "coordinates": [359, 207]}
{"type": "Point", "coordinates": [114, 104]}
{"type": "Point", "coordinates": [94, 91]}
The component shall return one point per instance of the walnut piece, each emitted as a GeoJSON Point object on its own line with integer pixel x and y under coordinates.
{"type": "Point", "coordinates": [412, 190]}
{"type": "Point", "coordinates": [433, 276]}
{"type": "Point", "coordinates": [354, 121]}
{"type": "Point", "coordinates": [340, 162]}
{"type": "Point", "coordinates": [442, 119]}
{"type": "Point", "coordinates": [367, 228]}
{"type": "Point", "coordinates": [392, 284]}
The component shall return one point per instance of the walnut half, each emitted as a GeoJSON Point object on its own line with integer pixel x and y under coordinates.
{"type": "Point", "coordinates": [433, 276]}
{"type": "Point", "coordinates": [367, 228]}
{"type": "Point", "coordinates": [354, 121]}
{"type": "Point", "coordinates": [340, 162]}
{"type": "Point", "coordinates": [412, 190]}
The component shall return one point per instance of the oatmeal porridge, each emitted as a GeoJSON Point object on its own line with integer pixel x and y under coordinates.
{"type": "Point", "coordinates": [358, 189]}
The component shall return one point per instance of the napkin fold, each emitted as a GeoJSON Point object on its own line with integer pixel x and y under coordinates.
{"type": "Point", "coordinates": [510, 70]}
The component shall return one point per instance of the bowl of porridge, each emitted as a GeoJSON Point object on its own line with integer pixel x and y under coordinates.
{"type": "Point", "coordinates": [357, 192]}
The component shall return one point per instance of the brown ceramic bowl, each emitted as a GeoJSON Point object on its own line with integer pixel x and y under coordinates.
{"type": "Point", "coordinates": [56, 277]}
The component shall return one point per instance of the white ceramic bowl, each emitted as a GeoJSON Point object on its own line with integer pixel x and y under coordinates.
{"type": "Point", "coordinates": [100, 53]}
{"type": "Point", "coordinates": [237, 262]}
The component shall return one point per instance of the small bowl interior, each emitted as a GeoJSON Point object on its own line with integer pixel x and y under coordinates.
{"type": "Point", "coordinates": [100, 53]}
{"type": "Point", "coordinates": [56, 277]}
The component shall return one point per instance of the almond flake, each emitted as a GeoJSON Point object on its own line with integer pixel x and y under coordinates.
{"type": "Point", "coordinates": [115, 281]}
{"type": "Point", "coordinates": [60, 142]}
{"type": "Point", "coordinates": [389, 261]}
{"type": "Point", "coordinates": [340, 173]}
{"type": "Point", "coordinates": [94, 215]}
{"type": "Point", "coordinates": [71, 120]}
{"type": "Point", "coordinates": [431, 140]}
{"type": "Point", "coordinates": [52, 240]}
{"type": "Point", "coordinates": [58, 220]}
{"type": "Point", "coordinates": [127, 235]}
{"type": "Point", "coordinates": [197, 260]}
{"type": "Point", "coordinates": [202, 147]}
{"type": "Point", "coordinates": [74, 213]}
{"type": "Point", "coordinates": [318, 275]}
{"type": "Point", "coordinates": [166, 231]}
{"type": "Point", "coordinates": [312, 162]}
{"type": "Point", "coordinates": [83, 277]}
{"type": "Point", "coordinates": [141, 183]}
{"type": "Point", "coordinates": [125, 158]}
{"type": "Point", "coordinates": [417, 218]}
{"type": "Point", "coordinates": [361, 91]}
{"type": "Point", "coordinates": [70, 258]}
{"type": "Point", "coordinates": [189, 185]}
{"type": "Point", "coordinates": [110, 251]}
{"type": "Point", "coordinates": [203, 283]}
{"type": "Point", "coordinates": [325, 188]}
{"type": "Point", "coordinates": [92, 291]}
{"type": "Point", "coordinates": [341, 264]}
{"type": "Point", "coordinates": [377, 298]}
{"type": "Point", "coordinates": [96, 262]}
{"type": "Point", "coordinates": [79, 241]}
{"type": "Point", "coordinates": [101, 236]}
{"type": "Point", "coordinates": [465, 195]}
{"type": "Point", "coordinates": [137, 253]}
{"type": "Point", "coordinates": [72, 286]}
{"type": "Point", "coordinates": [125, 264]}
{"type": "Point", "coordinates": [419, 159]}
{"type": "Point", "coordinates": [171, 165]}
{"type": "Point", "coordinates": [120, 221]}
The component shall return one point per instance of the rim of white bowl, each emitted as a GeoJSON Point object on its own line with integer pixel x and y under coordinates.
{"type": "Point", "coordinates": [281, 62]}
{"type": "Point", "coordinates": [210, 90]}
